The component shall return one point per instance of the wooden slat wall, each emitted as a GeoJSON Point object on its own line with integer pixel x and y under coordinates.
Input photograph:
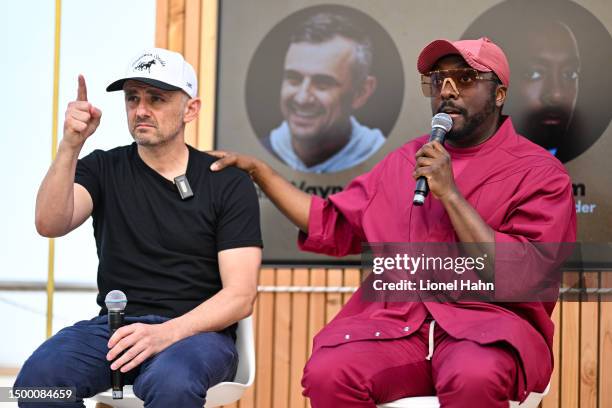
{"type": "Point", "coordinates": [583, 347]}
{"type": "Point", "coordinates": [286, 322]}
{"type": "Point", "coordinates": [605, 345]}
{"type": "Point", "coordinates": [570, 344]}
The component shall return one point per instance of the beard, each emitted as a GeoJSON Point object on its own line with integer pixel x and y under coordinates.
{"type": "Point", "coordinates": [471, 122]}
{"type": "Point", "coordinates": [155, 136]}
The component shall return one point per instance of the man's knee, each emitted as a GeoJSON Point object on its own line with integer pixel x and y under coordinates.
{"type": "Point", "coordinates": [189, 379]}
{"type": "Point", "coordinates": [329, 372]}
{"type": "Point", "coordinates": [492, 372]}
{"type": "Point", "coordinates": [153, 384]}
{"type": "Point", "coordinates": [187, 368]}
{"type": "Point", "coordinates": [68, 359]}
{"type": "Point", "coordinates": [39, 370]}
{"type": "Point", "coordinates": [51, 368]}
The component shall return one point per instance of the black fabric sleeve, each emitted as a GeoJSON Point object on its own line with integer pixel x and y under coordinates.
{"type": "Point", "coordinates": [88, 172]}
{"type": "Point", "coordinates": [238, 224]}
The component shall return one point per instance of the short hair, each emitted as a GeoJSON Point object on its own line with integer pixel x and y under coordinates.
{"type": "Point", "coordinates": [324, 26]}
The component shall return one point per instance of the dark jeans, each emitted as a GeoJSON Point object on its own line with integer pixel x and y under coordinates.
{"type": "Point", "coordinates": [179, 376]}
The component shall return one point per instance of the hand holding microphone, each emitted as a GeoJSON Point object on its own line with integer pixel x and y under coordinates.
{"type": "Point", "coordinates": [115, 303]}
{"type": "Point", "coordinates": [433, 168]}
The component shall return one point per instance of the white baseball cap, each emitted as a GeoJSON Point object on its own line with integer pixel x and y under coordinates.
{"type": "Point", "coordinates": [161, 68]}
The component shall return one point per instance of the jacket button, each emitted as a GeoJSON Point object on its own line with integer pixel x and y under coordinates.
{"type": "Point", "coordinates": [407, 328]}
{"type": "Point", "coordinates": [347, 336]}
{"type": "Point", "coordinates": [377, 334]}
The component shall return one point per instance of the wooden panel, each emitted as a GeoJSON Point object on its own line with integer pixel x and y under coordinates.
{"type": "Point", "coordinates": [570, 334]}
{"type": "Point", "coordinates": [192, 55]}
{"type": "Point", "coordinates": [282, 315]}
{"type": "Point", "coordinates": [265, 332]}
{"type": "Point", "coordinates": [552, 399]}
{"type": "Point", "coordinates": [161, 24]}
{"type": "Point", "coordinates": [333, 301]}
{"type": "Point", "coordinates": [192, 33]}
{"type": "Point", "coordinates": [208, 73]}
{"type": "Point", "coordinates": [589, 319]}
{"type": "Point", "coordinates": [352, 278]}
{"type": "Point", "coordinates": [299, 339]}
{"type": "Point", "coordinates": [316, 306]}
{"type": "Point", "coordinates": [605, 344]}
{"type": "Point", "coordinates": [176, 25]}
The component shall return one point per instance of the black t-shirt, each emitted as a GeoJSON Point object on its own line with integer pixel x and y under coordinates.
{"type": "Point", "coordinates": [160, 250]}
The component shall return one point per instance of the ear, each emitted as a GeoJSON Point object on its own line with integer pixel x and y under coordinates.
{"type": "Point", "coordinates": [500, 95]}
{"type": "Point", "coordinates": [192, 109]}
{"type": "Point", "coordinates": [364, 92]}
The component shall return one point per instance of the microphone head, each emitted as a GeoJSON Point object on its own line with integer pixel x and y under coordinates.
{"type": "Point", "coordinates": [115, 300]}
{"type": "Point", "coordinates": [442, 121]}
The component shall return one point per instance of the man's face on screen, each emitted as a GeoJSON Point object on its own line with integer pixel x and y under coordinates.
{"type": "Point", "coordinates": [317, 89]}
{"type": "Point", "coordinates": [546, 85]}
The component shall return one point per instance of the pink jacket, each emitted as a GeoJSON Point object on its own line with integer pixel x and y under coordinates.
{"type": "Point", "coordinates": [518, 188]}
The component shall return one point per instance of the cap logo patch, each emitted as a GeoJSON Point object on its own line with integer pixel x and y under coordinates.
{"type": "Point", "coordinates": [145, 61]}
{"type": "Point", "coordinates": [145, 65]}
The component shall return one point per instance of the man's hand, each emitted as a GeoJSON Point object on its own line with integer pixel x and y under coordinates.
{"type": "Point", "coordinates": [82, 118]}
{"type": "Point", "coordinates": [433, 162]}
{"type": "Point", "coordinates": [139, 341]}
{"type": "Point", "coordinates": [290, 200]}
{"type": "Point", "coordinates": [242, 161]}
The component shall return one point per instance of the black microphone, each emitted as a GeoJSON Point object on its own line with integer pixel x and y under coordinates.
{"type": "Point", "coordinates": [441, 123]}
{"type": "Point", "coordinates": [115, 303]}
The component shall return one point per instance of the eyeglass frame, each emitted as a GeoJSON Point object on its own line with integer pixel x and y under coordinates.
{"type": "Point", "coordinates": [479, 76]}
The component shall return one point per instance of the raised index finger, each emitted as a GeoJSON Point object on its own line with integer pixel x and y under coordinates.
{"type": "Point", "coordinates": [82, 90]}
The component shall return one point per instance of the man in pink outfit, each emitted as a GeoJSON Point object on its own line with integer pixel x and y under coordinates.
{"type": "Point", "coordinates": [488, 185]}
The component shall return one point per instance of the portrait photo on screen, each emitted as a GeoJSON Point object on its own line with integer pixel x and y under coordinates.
{"type": "Point", "coordinates": [324, 89]}
{"type": "Point", "coordinates": [558, 53]}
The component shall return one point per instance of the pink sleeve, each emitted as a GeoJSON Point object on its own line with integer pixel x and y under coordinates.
{"type": "Point", "coordinates": [542, 209]}
{"type": "Point", "coordinates": [535, 238]}
{"type": "Point", "coordinates": [335, 225]}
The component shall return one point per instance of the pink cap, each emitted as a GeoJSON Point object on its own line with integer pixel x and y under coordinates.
{"type": "Point", "coordinates": [481, 54]}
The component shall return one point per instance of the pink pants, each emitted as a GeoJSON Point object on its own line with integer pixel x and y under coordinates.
{"type": "Point", "coordinates": [461, 373]}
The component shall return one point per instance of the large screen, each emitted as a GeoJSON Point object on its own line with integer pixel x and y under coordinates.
{"type": "Point", "coordinates": [322, 92]}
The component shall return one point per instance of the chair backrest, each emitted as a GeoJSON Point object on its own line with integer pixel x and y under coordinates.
{"type": "Point", "coordinates": [245, 344]}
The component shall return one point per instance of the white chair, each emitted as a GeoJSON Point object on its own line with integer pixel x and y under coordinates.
{"type": "Point", "coordinates": [220, 394]}
{"type": "Point", "coordinates": [532, 401]}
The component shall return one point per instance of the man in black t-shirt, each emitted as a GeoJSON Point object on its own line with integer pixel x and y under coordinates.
{"type": "Point", "coordinates": [182, 242]}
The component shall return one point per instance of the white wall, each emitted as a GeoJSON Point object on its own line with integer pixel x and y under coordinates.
{"type": "Point", "coordinates": [98, 38]}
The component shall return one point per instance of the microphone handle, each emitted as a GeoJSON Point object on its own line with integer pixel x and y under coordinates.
{"type": "Point", "coordinates": [422, 188]}
{"type": "Point", "coordinates": [115, 321]}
